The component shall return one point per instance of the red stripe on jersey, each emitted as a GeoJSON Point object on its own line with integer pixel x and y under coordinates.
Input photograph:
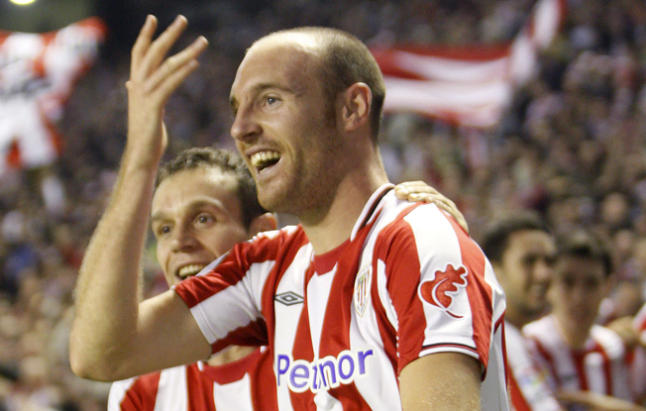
{"type": "Point", "coordinates": [292, 243]}
{"type": "Point", "coordinates": [263, 383]}
{"type": "Point", "coordinates": [396, 246]}
{"type": "Point", "coordinates": [479, 292]}
{"type": "Point", "coordinates": [548, 359]}
{"type": "Point", "coordinates": [338, 315]}
{"type": "Point", "coordinates": [578, 357]}
{"type": "Point", "coordinates": [302, 349]}
{"type": "Point", "coordinates": [200, 390]}
{"type": "Point", "coordinates": [141, 396]}
{"type": "Point", "coordinates": [517, 398]}
{"type": "Point", "coordinates": [607, 368]}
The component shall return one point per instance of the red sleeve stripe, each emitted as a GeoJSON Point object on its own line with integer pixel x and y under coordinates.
{"type": "Point", "coordinates": [480, 297]}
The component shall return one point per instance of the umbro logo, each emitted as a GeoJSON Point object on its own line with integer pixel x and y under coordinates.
{"type": "Point", "coordinates": [289, 298]}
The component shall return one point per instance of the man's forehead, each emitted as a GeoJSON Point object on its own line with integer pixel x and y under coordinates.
{"type": "Point", "coordinates": [307, 42]}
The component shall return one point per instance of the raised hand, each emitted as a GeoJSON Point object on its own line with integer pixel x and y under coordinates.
{"type": "Point", "coordinates": [153, 78]}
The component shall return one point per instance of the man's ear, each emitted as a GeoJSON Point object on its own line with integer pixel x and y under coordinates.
{"type": "Point", "coordinates": [355, 108]}
{"type": "Point", "coordinates": [264, 222]}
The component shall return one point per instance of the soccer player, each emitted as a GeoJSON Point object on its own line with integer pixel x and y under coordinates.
{"type": "Point", "coordinates": [204, 203]}
{"type": "Point", "coordinates": [369, 303]}
{"type": "Point", "coordinates": [580, 355]}
{"type": "Point", "coordinates": [522, 252]}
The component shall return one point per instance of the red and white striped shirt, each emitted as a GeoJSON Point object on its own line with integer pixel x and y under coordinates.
{"type": "Point", "coordinates": [601, 366]}
{"type": "Point", "coordinates": [244, 385]}
{"type": "Point", "coordinates": [528, 386]}
{"type": "Point", "coordinates": [342, 325]}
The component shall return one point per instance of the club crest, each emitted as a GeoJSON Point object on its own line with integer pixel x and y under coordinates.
{"type": "Point", "coordinates": [445, 286]}
{"type": "Point", "coordinates": [362, 290]}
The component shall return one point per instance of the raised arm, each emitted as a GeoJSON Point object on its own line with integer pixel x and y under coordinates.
{"type": "Point", "coordinates": [113, 336]}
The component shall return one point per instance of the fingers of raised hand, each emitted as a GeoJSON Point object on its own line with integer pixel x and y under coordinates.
{"type": "Point", "coordinates": [183, 62]}
{"type": "Point", "coordinates": [143, 42]}
{"type": "Point", "coordinates": [146, 53]}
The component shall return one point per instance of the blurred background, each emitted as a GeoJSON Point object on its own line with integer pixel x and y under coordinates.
{"type": "Point", "coordinates": [570, 144]}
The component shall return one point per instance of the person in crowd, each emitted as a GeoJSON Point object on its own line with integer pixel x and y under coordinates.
{"type": "Point", "coordinates": [587, 362]}
{"type": "Point", "coordinates": [522, 252]}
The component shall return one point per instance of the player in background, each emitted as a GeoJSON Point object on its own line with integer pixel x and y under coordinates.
{"type": "Point", "coordinates": [361, 305]}
{"type": "Point", "coordinates": [587, 362]}
{"type": "Point", "coordinates": [522, 251]}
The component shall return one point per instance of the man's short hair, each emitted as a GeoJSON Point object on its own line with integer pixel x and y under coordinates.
{"type": "Point", "coordinates": [225, 161]}
{"type": "Point", "coordinates": [346, 60]}
{"type": "Point", "coordinates": [496, 237]}
{"type": "Point", "coordinates": [585, 244]}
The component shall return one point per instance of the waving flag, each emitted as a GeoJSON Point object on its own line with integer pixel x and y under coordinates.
{"type": "Point", "coordinates": [37, 74]}
{"type": "Point", "coordinates": [470, 85]}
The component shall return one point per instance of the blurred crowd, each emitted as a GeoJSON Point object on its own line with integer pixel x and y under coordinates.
{"type": "Point", "coordinates": [571, 146]}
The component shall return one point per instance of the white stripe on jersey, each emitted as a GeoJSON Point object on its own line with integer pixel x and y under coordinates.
{"type": "Point", "coordinates": [118, 391]}
{"type": "Point", "coordinates": [172, 393]}
{"type": "Point", "coordinates": [237, 392]}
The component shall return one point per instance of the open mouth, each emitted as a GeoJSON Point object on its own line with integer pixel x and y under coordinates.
{"type": "Point", "coordinates": [264, 159]}
{"type": "Point", "coordinates": [189, 270]}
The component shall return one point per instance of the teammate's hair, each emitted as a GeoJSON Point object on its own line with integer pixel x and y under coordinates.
{"type": "Point", "coordinates": [225, 161]}
{"type": "Point", "coordinates": [345, 60]}
{"type": "Point", "coordinates": [585, 244]}
{"type": "Point", "coordinates": [496, 238]}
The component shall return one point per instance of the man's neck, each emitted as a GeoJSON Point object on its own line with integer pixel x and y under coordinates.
{"type": "Point", "coordinates": [575, 337]}
{"type": "Point", "coordinates": [334, 224]}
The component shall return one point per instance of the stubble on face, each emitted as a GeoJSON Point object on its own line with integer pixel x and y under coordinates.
{"type": "Point", "coordinates": [304, 130]}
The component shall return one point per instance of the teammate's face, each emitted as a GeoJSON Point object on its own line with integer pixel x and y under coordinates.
{"type": "Point", "coordinates": [525, 273]}
{"type": "Point", "coordinates": [282, 127]}
{"type": "Point", "coordinates": [196, 217]}
{"type": "Point", "coordinates": [579, 286]}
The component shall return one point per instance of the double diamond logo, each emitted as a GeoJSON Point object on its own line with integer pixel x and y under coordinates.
{"type": "Point", "coordinates": [288, 298]}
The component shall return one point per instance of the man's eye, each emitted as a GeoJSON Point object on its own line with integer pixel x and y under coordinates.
{"type": "Point", "coordinates": [163, 229]}
{"type": "Point", "coordinates": [203, 219]}
{"type": "Point", "coordinates": [271, 100]}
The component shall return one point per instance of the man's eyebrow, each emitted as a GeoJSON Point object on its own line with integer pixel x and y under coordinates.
{"type": "Point", "coordinates": [194, 205]}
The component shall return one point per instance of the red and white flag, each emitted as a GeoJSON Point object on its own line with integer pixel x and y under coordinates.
{"type": "Point", "coordinates": [37, 74]}
{"type": "Point", "coordinates": [469, 85]}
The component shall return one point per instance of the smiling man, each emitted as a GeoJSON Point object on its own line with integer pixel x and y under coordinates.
{"type": "Point", "coordinates": [204, 203]}
{"type": "Point", "coordinates": [369, 303]}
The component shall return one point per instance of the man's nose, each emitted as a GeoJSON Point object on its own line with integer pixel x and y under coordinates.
{"type": "Point", "coordinates": [245, 127]}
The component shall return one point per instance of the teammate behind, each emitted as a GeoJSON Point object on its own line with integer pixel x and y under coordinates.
{"type": "Point", "coordinates": [204, 203]}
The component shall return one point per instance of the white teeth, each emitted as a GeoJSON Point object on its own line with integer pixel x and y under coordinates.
{"type": "Point", "coordinates": [263, 158]}
{"type": "Point", "coordinates": [189, 270]}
